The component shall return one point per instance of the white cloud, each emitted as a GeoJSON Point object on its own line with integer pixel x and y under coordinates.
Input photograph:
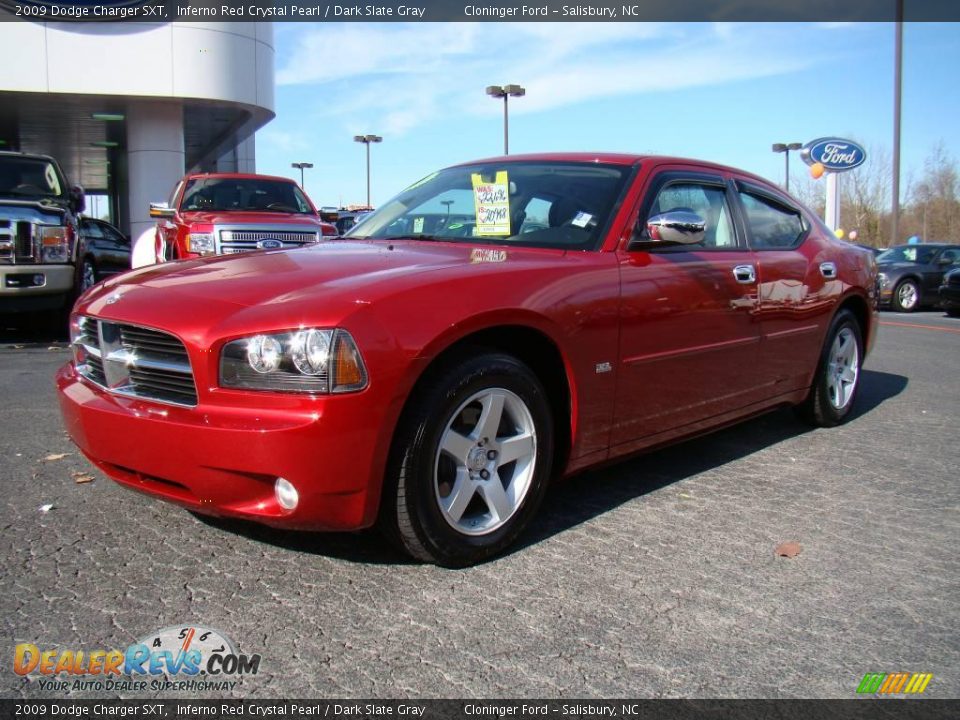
{"type": "Point", "coordinates": [399, 76]}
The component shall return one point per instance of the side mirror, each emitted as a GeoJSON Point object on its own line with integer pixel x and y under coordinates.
{"type": "Point", "coordinates": [78, 200]}
{"type": "Point", "coordinates": [161, 210]}
{"type": "Point", "coordinates": [683, 227]}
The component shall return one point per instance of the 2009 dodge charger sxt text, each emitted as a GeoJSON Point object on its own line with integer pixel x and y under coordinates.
{"type": "Point", "coordinates": [496, 324]}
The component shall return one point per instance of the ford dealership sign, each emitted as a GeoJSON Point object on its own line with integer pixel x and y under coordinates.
{"type": "Point", "coordinates": [835, 154]}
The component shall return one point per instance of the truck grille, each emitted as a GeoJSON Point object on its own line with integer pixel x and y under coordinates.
{"type": "Point", "coordinates": [17, 242]}
{"type": "Point", "coordinates": [234, 241]}
{"type": "Point", "coordinates": [134, 361]}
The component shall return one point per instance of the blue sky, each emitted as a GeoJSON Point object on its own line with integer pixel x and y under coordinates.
{"type": "Point", "coordinates": [722, 92]}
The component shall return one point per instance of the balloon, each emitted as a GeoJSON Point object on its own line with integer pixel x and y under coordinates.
{"type": "Point", "coordinates": [839, 233]}
{"type": "Point", "coordinates": [853, 235]}
{"type": "Point", "coordinates": [817, 170]}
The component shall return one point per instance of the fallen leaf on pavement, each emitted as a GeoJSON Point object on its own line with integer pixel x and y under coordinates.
{"type": "Point", "coordinates": [788, 549]}
{"type": "Point", "coordinates": [81, 477]}
{"type": "Point", "coordinates": [54, 456]}
{"type": "Point", "coordinates": [46, 508]}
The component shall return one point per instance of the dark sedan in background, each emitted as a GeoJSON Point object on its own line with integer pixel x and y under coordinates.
{"type": "Point", "coordinates": [910, 275]}
{"type": "Point", "coordinates": [950, 293]}
{"type": "Point", "coordinates": [104, 251]}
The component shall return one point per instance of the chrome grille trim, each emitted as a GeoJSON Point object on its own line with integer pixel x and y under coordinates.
{"type": "Point", "coordinates": [19, 242]}
{"type": "Point", "coordinates": [134, 361]}
{"type": "Point", "coordinates": [238, 239]}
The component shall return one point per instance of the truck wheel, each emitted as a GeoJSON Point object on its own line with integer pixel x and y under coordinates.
{"type": "Point", "coordinates": [88, 275]}
{"type": "Point", "coordinates": [472, 462]}
{"type": "Point", "coordinates": [835, 385]}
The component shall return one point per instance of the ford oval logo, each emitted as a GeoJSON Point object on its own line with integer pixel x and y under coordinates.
{"type": "Point", "coordinates": [835, 154]}
{"type": "Point", "coordinates": [269, 244]}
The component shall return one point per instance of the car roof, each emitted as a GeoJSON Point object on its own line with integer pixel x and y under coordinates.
{"type": "Point", "coordinates": [35, 156]}
{"type": "Point", "coordinates": [238, 176]}
{"type": "Point", "coordinates": [611, 158]}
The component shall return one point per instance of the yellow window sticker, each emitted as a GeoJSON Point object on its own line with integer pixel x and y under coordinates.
{"type": "Point", "coordinates": [492, 204]}
{"type": "Point", "coordinates": [417, 225]}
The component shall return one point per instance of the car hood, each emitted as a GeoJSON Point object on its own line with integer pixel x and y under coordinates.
{"type": "Point", "coordinates": [318, 283]}
{"type": "Point", "coordinates": [249, 218]}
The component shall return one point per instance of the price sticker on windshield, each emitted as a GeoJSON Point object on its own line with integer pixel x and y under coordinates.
{"type": "Point", "coordinates": [492, 204]}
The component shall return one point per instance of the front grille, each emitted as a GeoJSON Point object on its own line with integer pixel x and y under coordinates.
{"type": "Point", "coordinates": [234, 241]}
{"type": "Point", "coordinates": [134, 361]}
{"type": "Point", "coordinates": [18, 242]}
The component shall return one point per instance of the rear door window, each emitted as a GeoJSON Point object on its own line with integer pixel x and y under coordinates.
{"type": "Point", "coordinates": [771, 225]}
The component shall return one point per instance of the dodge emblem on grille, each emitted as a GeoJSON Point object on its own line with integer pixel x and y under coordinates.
{"type": "Point", "coordinates": [269, 244]}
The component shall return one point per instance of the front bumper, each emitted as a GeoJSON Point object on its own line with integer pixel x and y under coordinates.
{"type": "Point", "coordinates": [950, 297]}
{"type": "Point", "coordinates": [34, 287]}
{"type": "Point", "coordinates": [223, 460]}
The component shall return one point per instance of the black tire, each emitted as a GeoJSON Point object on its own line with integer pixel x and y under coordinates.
{"type": "Point", "coordinates": [88, 273]}
{"type": "Point", "coordinates": [906, 296]}
{"type": "Point", "coordinates": [419, 472]}
{"type": "Point", "coordinates": [828, 404]}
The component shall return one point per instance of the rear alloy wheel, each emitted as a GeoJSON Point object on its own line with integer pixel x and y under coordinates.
{"type": "Point", "coordinates": [837, 380]}
{"type": "Point", "coordinates": [88, 275]}
{"type": "Point", "coordinates": [473, 461]}
{"type": "Point", "coordinates": [906, 296]}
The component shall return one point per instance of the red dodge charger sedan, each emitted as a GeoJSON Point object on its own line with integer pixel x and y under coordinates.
{"type": "Point", "coordinates": [495, 325]}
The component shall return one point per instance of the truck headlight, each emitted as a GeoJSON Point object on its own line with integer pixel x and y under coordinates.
{"type": "Point", "coordinates": [54, 244]}
{"type": "Point", "coordinates": [305, 360]}
{"type": "Point", "coordinates": [201, 242]}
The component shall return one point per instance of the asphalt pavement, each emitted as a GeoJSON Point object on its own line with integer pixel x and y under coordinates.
{"type": "Point", "coordinates": [655, 577]}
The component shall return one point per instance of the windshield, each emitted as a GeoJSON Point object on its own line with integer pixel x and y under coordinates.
{"type": "Point", "coordinates": [908, 254]}
{"type": "Point", "coordinates": [31, 178]}
{"type": "Point", "coordinates": [253, 194]}
{"type": "Point", "coordinates": [534, 204]}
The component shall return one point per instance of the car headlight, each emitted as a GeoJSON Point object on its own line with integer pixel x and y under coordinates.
{"type": "Point", "coordinates": [306, 360]}
{"type": "Point", "coordinates": [883, 280]}
{"type": "Point", "coordinates": [54, 244]}
{"type": "Point", "coordinates": [201, 242]}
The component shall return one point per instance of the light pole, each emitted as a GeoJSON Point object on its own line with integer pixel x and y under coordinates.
{"type": "Point", "coordinates": [366, 140]}
{"type": "Point", "coordinates": [505, 92]}
{"type": "Point", "coordinates": [786, 148]}
{"type": "Point", "coordinates": [301, 166]}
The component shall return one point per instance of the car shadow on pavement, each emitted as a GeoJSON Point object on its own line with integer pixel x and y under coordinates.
{"type": "Point", "coordinates": [33, 330]}
{"type": "Point", "coordinates": [595, 492]}
{"type": "Point", "coordinates": [592, 493]}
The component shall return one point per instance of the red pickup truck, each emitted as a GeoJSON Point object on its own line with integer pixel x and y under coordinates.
{"type": "Point", "coordinates": [223, 213]}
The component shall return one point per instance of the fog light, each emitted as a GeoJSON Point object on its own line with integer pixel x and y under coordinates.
{"type": "Point", "coordinates": [287, 495]}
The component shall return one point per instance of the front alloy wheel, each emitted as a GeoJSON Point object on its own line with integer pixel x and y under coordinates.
{"type": "Point", "coordinates": [471, 460]}
{"type": "Point", "coordinates": [486, 461]}
{"type": "Point", "coordinates": [906, 296]}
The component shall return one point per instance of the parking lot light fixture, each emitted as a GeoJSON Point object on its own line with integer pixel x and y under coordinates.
{"type": "Point", "coordinates": [301, 166]}
{"type": "Point", "coordinates": [366, 140]}
{"type": "Point", "coordinates": [785, 148]}
{"type": "Point", "coordinates": [506, 92]}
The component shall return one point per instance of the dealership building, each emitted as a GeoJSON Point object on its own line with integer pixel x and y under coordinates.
{"type": "Point", "coordinates": [128, 108]}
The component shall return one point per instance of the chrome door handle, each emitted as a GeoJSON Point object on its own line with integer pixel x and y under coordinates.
{"type": "Point", "coordinates": [745, 274]}
{"type": "Point", "coordinates": [828, 270]}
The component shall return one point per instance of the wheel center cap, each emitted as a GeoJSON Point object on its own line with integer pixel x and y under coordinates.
{"type": "Point", "coordinates": [477, 458]}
